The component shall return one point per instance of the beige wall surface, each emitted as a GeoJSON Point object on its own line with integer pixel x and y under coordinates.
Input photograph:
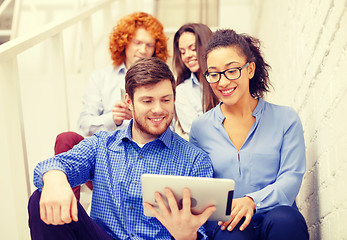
{"type": "Point", "coordinates": [305, 42]}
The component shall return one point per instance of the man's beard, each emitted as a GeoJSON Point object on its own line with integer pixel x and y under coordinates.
{"type": "Point", "coordinates": [142, 125]}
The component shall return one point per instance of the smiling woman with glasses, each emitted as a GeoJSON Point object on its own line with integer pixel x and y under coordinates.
{"type": "Point", "coordinates": [258, 144]}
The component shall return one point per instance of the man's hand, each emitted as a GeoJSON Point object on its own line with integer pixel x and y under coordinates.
{"type": "Point", "coordinates": [241, 207]}
{"type": "Point", "coordinates": [58, 204]}
{"type": "Point", "coordinates": [121, 112]}
{"type": "Point", "coordinates": [181, 224]}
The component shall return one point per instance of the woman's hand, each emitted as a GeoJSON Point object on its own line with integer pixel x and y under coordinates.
{"type": "Point", "coordinates": [241, 207]}
{"type": "Point", "coordinates": [181, 223]}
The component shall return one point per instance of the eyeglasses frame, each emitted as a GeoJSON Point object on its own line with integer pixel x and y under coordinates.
{"type": "Point", "coordinates": [223, 73]}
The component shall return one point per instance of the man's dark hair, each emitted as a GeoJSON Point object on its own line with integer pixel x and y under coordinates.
{"type": "Point", "coordinates": [147, 71]}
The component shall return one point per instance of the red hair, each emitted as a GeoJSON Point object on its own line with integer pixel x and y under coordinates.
{"type": "Point", "coordinates": [125, 30]}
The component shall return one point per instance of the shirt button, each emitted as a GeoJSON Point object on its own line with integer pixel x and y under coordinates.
{"type": "Point", "coordinates": [258, 205]}
{"type": "Point", "coordinates": [141, 157]}
{"type": "Point", "coordinates": [131, 207]}
{"type": "Point", "coordinates": [135, 182]}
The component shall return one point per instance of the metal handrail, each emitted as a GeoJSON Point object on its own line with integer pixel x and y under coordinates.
{"type": "Point", "coordinates": [22, 43]}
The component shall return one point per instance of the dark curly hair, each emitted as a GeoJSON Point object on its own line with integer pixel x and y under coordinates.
{"type": "Point", "coordinates": [125, 30]}
{"type": "Point", "coordinates": [250, 48]}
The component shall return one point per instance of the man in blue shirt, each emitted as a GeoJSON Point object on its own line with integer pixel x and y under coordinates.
{"type": "Point", "coordinates": [136, 35]}
{"type": "Point", "coordinates": [115, 162]}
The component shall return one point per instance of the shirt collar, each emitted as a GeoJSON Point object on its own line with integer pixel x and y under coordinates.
{"type": "Point", "coordinates": [117, 138]}
{"type": "Point", "coordinates": [165, 138]}
{"type": "Point", "coordinates": [194, 79]}
{"type": "Point", "coordinates": [219, 114]}
{"type": "Point", "coordinates": [259, 108]}
{"type": "Point", "coordinates": [257, 111]}
{"type": "Point", "coordinates": [121, 69]}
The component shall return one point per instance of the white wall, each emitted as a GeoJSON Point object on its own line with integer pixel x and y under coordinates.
{"type": "Point", "coordinates": [305, 42]}
{"type": "Point", "coordinates": [239, 15]}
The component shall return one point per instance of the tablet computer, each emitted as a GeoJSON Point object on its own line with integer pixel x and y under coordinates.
{"type": "Point", "coordinates": [204, 192]}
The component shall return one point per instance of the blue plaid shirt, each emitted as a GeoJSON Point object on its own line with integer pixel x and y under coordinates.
{"type": "Point", "coordinates": [115, 164]}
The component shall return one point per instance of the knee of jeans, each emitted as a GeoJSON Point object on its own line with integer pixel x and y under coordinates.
{"type": "Point", "coordinates": [283, 216]}
{"type": "Point", "coordinates": [34, 204]}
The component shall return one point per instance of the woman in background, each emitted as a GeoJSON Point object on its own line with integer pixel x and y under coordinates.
{"type": "Point", "coordinates": [257, 144]}
{"type": "Point", "coordinates": [193, 94]}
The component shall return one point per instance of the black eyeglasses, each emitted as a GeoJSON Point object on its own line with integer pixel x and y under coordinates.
{"type": "Point", "coordinates": [231, 74]}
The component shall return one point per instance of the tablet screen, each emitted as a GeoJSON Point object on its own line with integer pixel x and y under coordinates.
{"type": "Point", "coordinates": [204, 192]}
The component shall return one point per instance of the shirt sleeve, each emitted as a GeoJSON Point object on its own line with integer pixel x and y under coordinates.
{"type": "Point", "coordinates": [93, 117]}
{"type": "Point", "coordinates": [202, 166]}
{"type": "Point", "coordinates": [77, 163]}
{"type": "Point", "coordinates": [202, 233]}
{"type": "Point", "coordinates": [291, 169]}
{"type": "Point", "coordinates": [185, 110]}
{"type": "Point", "coordinates": [192, 137]}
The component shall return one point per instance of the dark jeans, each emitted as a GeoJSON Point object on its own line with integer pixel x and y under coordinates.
{"type": "Point", "coordinates": [84, 229]}
{"type": "Point", "coordinates": [280, 223]}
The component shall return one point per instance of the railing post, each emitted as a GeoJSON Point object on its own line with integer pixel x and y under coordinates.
{"type": "Point", "coordinates": [57, 50]}
{"type": "Point", "coordinates": [87, 46]}
{"type": "Point", "coordinates": [16, 18]}
{"type": "Point", "coordinates": [14, 153]}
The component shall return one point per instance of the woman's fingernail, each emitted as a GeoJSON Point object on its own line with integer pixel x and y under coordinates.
{"type": "Point", "coordinates": [229, 228]}
{"type": "Point", "coordinates": [219, 223]}
{"type": "Point", "coordinates": [222, 227]}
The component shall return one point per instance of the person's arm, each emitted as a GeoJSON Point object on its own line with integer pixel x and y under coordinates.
{"type": "Point", "coordinates": [181, 223]}
{"type": "Point", "coordinates": [287, 184]}
{"type": "Point", "coordinates": [240, 208]}
{"type": "Point", "coordinates": [78, 163]}
{"type": "Point", "coordinates": [58, 204]}
{"type": "Point", "coordinates": [55, 176]}
{"type": "Point", "coordinates": [292, 166]}
{"type": "Point", "coordinates": [93, 117]}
